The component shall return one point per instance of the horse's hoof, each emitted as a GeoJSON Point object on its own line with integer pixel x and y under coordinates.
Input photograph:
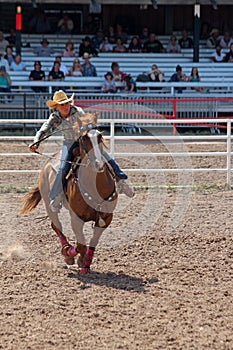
{"type": "Point", "coordinates": [84, 270]}
{"type": "Point", "coordinates": [80, 261]}
{"type": "Point", "coordinates": [69, 260]}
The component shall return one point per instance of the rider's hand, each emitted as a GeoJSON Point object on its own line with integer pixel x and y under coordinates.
{"type": "Point", "coordinates": [33, 148]}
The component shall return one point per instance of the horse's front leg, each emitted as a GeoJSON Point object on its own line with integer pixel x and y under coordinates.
{"type": "Point", "coordinates": [77, 227]}
{"type": "Point", "coordinates": [97, 232]}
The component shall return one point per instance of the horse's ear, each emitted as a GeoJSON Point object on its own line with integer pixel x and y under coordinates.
{"type": "Point", "coordinates": [77, 125]}
{"type": "Point", "coordinates": [95, 117]}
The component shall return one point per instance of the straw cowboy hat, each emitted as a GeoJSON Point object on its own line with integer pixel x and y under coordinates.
{"type": "Point", "coordinates": [59, 98]}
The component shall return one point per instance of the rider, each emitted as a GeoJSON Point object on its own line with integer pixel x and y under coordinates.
{"type": "Point", "coordinates": [64, 116]}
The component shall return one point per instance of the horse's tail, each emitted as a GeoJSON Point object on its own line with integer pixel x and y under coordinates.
{"type": "Point", "coordinates": [31, 199]}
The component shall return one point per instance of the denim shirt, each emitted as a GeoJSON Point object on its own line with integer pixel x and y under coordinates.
{"type": "Point", "coordinates": [56, 121]}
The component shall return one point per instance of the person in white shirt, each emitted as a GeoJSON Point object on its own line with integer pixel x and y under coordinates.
{"type": "Point", "coordinates": [218, 55]}
{"type": "Point", "coordinates": [3, 61]}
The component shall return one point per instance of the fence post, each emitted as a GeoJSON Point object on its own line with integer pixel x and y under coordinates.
{"type": "Point", "coordinates": [229, 153]}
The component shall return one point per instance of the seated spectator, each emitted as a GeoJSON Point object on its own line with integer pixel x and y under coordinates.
{"type": "Point", "coordinates": [69, 50]}
{"type": "Point", "coordinates": [62, 65]}
{"type": "Point", "coordinates": [218, 55]}
{"type": "Point", "coordinates": [11, 38]}
{"type": "Point", "coordinates": [18, 64]}
{"type": "Point", "coordinates": [65, 25]}
{"type": "Point", "coordinates": [178, 77]}
{"type": "Point", "coordinates": [106, 46]}
{"type": "Point", "coordinates": [155, 74]}
{"type": "Point", "coordinates": [89, 69]}
{"type": "Point", "coordinates": [5, 81]}
{"type": "Point", "coordinates": [121, 34]}
{"type": "Point", "coordinates": [135, 45]}
{"type": "Point", "coordinates": [39, 23]}
{"type": "Point", "coordinates": [195, 78]}
{"type": "Point", "coordinates": [173, 46]}
{"type": "Point", "coordinates": [213, 39]}
{"type": "Point", "coordinates": [37, 75]}
{"type": "Point", "coordinates": [153, 45]}
{"type": "Point", "coordinates": [117, 74]}
{"type": "Point", "coordinates": [44, 50]}
{"type": "Point", "coordinates": [111, 35]}
{"type": "Point", "coordinates": [129, 85]}
{"type": "Point", "coordinates": [56, 75]}
{"type": "Point", "coordinates": [3, 42]}
{"type": "Point", "coordinates": [76, 70]}
{"type": "Point", "coordinates": [3, 61]}
{"type": "Point", "coordinates": [85, 47]}
{"type": "Point", "coordinates": [226, 41]}
{"type": "Point", "coordinates": [109, 85]}
{"type": "Point", "coordinates": [205, 31]}
{"type": "Point", "coordinates": [9, 55]}
{"type": "Point", "coordinates": [89, 26]}
{"type": "Point", "coordinates": [229, 55]}
{"type": "Point", "coordinates": [144, 36]}
{"type": "Point", "coordinates": [97, 40]}
{"type": "Point", "coordinates": [185, 41]}
{"type": "Point", "coordinates": [119, 47]}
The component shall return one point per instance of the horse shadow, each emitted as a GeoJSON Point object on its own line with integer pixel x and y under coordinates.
{"type": "Point", "coordinates": [113, 280]}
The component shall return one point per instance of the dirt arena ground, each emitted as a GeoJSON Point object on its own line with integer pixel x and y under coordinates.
{"type": "Point", "coordinates": [162, 276]}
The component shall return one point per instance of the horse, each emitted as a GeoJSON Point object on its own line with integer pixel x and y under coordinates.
{"type": "Point", "coordinates": [90, 194]}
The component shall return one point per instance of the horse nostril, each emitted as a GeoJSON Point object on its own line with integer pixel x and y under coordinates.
{"type": "Point", "coordinates": [99, 165]}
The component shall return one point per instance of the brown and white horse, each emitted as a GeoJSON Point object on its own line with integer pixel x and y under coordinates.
{"type": "Point", "coordinates": [90, 195]}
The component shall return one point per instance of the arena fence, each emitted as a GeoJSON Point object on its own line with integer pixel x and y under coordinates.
{"type": "Point", "coordinates": [173, 138]}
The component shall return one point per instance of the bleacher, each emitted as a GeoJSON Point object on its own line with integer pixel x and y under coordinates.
{"type": "Point", "coordinates": [214, 76]}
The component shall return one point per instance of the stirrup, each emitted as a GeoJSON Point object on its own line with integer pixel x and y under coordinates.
{"type": "Point", "coordinates": [125, 188]}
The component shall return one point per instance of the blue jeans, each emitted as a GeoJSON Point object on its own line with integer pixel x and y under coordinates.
{"type": "Point", "coordinates": [57, 187]}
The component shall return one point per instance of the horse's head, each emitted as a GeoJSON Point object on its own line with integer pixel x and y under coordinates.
{"type": "Point", "coordinates": [91, 141]}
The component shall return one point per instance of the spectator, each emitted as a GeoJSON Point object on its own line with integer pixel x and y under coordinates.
{"type": "Point", "coordinates": [218, 55]}
{"type": "Point", "coordinates": [229, 55]}
{"type": "Point", "coordinates": [185, 41]}
{"type": "Point", "coordinates": [213, 39]}
{"type": "Point", "coordinates": [195, 78]}
{"type": "Point", "coordinates": [173, 46]}
{"type": "Point", "coordinates": [3, 42]}
{"type": "Point", "coordinates": [153, 45]}
{"type": "Point", "coordinates": [155, 74]}
{"type": "Point", "coordinates": [120, 34]}
{"type": "Point", "coordinates": [85, 47]}
{"type": "Point", "coordinates": [76, 70]}
{"type": "Point", "coordinates": [69, 49]}
{"type": "Point", "coordinates": [40, 24]}
{"type": "Point", "coordinates": [97, 40]}
{"type": "Point", "coordinates": [178, 77]}
{"type": "Point", "coordinates": [129, 85]}
{"type": "Point", "coordinates": [106, 46]}
{"type": "Point", "coordinates": [119, 47]}
{"type": "Point", "coordinates": [18, 64]}
{"type": "Point", "coordinates": [11, 38]}
{"type": "Point", "coordinates": [111, 35]}
{"type": "Point", "coordinates": [89, 26]}
{"type": "Point", "coordinates": [65, 25]}
{"type": "Point", "coordinates": [63, 67]}
{"type": "Point", "coordinates": [205, 32]}
{"type": "Point", "coordinates": [44, 50]}
{"type": "Point", "coordinates": [135, 45]}
{"type": "Point", "coordinates": [117, 74]}
{"type": "Point", "coordinates": [144, 36]}
{"type": "Point", "coordinates": [3, 61]}
{"type": "Point", "coordinates": [9, 55]}
{"type": "Point", "coordinates": [226, 41]}
{"type": "Point", "coordinates": [56, 75]}
{"type": "Point", "coordinates": [5, 81]}
{"type": "Point", "coordinates": [37, 75]}
{"type": "Point", "coordinates": [109, 85]}
{"type": "Point", "coordinates": [89, 69]}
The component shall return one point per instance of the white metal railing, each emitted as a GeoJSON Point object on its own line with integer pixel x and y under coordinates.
{"type": "Point", "coordinates": [113, 138]}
